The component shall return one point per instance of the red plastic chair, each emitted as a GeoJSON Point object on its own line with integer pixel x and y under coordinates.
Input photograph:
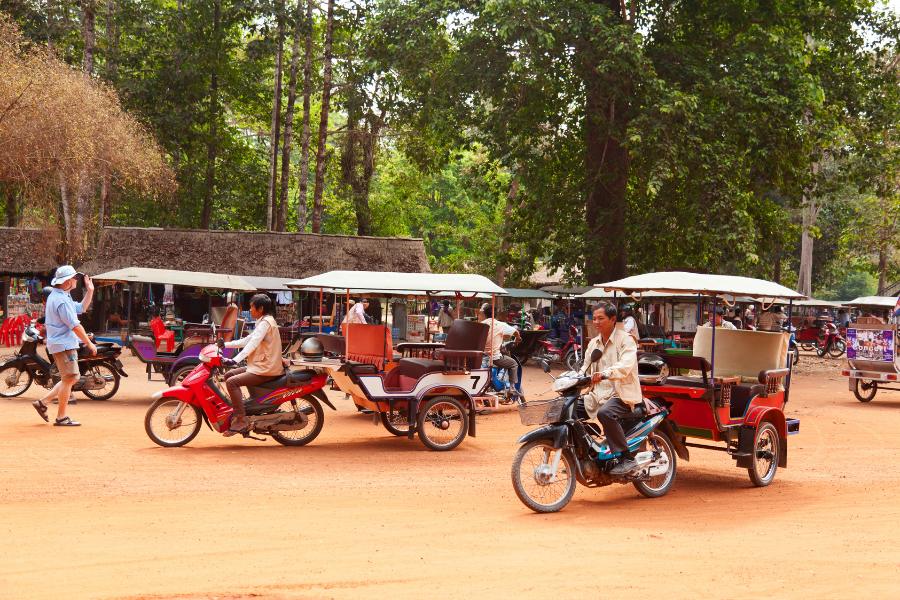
{"type": "Point", "coordinates": [162, 335]}
{"type": "Point", "coordinates": [4, 331]}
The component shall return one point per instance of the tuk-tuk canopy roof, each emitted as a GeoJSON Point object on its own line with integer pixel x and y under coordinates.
{"type": "Point", "coordinates": [171, 277]}
{"type": "Point", "coordinates": [268, 284]}
{"type": "Point", "coordinates": [406, 284]}
{"type": "Point", "coordinates": [879, 301]}
{"type": "Point", "coordinates": [678, 282]}
{"type": "Point", "coordinates": [529, 294]}
{"type": "Point", "coordinates": [820, 303]}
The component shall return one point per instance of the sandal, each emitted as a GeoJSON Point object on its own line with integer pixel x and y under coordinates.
{"type": "Point", "coordinates": [66, 422]}
{"type": "Point", "coordinates": [41, 409]}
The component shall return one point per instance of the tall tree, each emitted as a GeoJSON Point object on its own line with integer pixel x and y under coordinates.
{"type": "Point", "coordinates": [305, 134]}
{"type": "Point", "coordinates": [299, 27]}
{"type": "Point", "coordinates": [321, 153]}
{"type": "Point", "coordinates": [275, 133]}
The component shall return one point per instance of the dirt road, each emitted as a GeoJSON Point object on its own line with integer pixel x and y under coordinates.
{"type": "Point", "coordinates": [101, 512]}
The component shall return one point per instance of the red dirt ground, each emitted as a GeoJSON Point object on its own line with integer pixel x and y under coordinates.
{"type": "Point", "coordinates": [101, 512]}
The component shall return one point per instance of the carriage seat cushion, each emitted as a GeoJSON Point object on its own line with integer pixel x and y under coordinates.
{"type": "Point", "coordinates": [416, 367]}
{"type": "Point", "coordinates": [686, 381]}
{"type": "Point", "coordinates": [741, 395]}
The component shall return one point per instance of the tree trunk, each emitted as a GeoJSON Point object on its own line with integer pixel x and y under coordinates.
{"type": "Point", "coordinates": [212, 133]}
{"type": "Point", "coordinates": [88, 34]}
{"type": "Point", "coordinates": [318, 206]}
{"type": "Point", "coordinates": [289, 123]}
{"type": "Point", "coordinates": [12, 206]}
{"type": "Point", "coordinates": [809, 215]}
{"type": "Point", "coordinates": [66, 210]}
{"type": "Point", "coordinates": [305, 135]}
{"type": "Point", "coordinates": [606, 163]}
{"type": "Point", "coordinates": [275, 133]}
{"type": "Point", "coordinates": [112, 41]}
{"type": "Point", "coordinates": [882, 269]}
{"type": "Point", "coordinates": [504, 239]}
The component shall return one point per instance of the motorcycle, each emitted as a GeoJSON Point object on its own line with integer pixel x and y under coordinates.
{"type": "Point", "coordinates": [569, 448]}
{"type": "Point", "coordinates": [500, 385]}
{"type": "Point", "coordinates": [793, 349]}
{"type": "Point", "coordinates": [100, 374]}
{"type": "Point", "coordinates": [556, 351]}
{"type": "Point", "coordinates": [289, 409]}
{"type": "Point", "coordinates": [831, 342]}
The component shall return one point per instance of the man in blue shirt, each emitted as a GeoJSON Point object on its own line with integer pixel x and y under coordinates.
{"type": "Point", "coordinates": [63, 334]}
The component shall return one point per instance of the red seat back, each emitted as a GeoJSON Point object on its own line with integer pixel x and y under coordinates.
{"type": "Point", "coordinates": [369, 344]}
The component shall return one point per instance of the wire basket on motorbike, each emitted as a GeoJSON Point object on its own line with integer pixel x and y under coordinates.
{"type": "Point", "coordinates": [540, 412]}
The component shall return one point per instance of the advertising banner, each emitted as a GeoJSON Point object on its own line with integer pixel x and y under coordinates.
{"type": "Point", "coordinates": [870, 344]}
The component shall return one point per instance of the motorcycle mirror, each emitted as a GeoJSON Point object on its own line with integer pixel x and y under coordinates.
{"type": "Point", "coordinates": [545, 366]}
{"type": "Point", "coordinates": [596, 355]}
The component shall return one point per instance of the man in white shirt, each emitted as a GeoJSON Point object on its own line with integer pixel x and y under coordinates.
{"type": "Point", "coordinates": [499, 329]}
{"type": "Point", "coordinates": [772, 319]}
{"type": "Point", "coordinates": [629, 323]}
{"type": "Point", "coordinates": [719, 321]}
{"type": "Point", "coordinates": [357, 313]}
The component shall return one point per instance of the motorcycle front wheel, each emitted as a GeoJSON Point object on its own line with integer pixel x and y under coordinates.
{"type": "Point", "coordinates": [530, 477]}
{"type": "Point", "coordinates": [837, 349]}
{"type": "Point", "coordinates": [109, 375]}
{"type": "Point", "coordinates": [572, 362]}
{"type": "Point", "coordinates": [171, 423]}
{"type": "Point", "coordinates": [13, 381]}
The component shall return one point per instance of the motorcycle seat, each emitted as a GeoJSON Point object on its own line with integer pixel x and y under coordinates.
{"type": "Point", "coordinates": [288, 380]}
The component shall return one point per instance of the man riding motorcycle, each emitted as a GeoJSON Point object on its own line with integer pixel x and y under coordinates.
{"type": "Point", "coordinates": [262, 349]}
{"type": "Point", "coordinates": [499, 329]}
{"type": "Point", "coordinates": [616, 389]}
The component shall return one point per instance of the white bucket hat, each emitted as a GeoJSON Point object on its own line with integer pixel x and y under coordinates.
{"type": "Point", "coordinates": [63, 273]}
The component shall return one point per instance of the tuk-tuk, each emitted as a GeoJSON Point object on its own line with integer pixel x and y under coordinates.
{"type": "Point", "coordinates": [873, 348]}
{"type": "Point", "coordinates": [733, 387]}
{"type": "Point", "coordinates": [431, 389]}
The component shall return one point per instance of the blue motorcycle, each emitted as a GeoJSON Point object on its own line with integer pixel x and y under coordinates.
{"type": "Point", "coordinates": [569, 448]}
{"type": "Point", "coordinates": [500, 385]}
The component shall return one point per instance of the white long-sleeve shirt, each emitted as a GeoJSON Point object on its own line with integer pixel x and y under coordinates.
{"type": "Point", "coordinates": [250, 343]}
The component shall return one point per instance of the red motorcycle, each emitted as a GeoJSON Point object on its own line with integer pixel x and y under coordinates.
{"type": "Point", "coordinates": [288, 408]}
{"type": "Point", "coordinates": [568, 352]}
{"type": "Point", "coordinates": [831, 342]}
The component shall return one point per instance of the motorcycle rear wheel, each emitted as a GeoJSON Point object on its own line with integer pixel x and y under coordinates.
{"type": "Point", "coordinates": [539, 496]}
{"type": "Point", "coordinates": [183, 430]}
{"type": "Point", "coordinates": [659, 485]}
{"type": "Point", "coordinates": [301, 437]}
{"type": "Point", "coordinates": [571, 360]}
{"type": "Point", "coordinates": [11, 381]}
{"type": "Point", "coordinates": [104, 393]}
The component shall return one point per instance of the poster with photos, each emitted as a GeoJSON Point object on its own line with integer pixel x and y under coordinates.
{"type": "Point", "coordinates": [870, 344]}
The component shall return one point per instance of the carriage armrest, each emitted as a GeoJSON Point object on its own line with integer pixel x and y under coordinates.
{"type": "Point", "coordinates": [771, 378]}
{"type": "Point", "coordinates": [360, 368]}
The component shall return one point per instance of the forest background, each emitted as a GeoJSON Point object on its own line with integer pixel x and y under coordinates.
{"type": "Point", "coordinates": [600, 137]}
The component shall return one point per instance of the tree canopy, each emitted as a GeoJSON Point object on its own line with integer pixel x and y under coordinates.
{"type": "Point", "coordinates": [603, 137]}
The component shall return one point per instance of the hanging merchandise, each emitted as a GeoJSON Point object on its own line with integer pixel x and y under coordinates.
{"type": "Point", "coordinates": [169, 294]}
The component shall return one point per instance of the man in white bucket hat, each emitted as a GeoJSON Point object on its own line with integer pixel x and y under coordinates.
{"type": "Point", "coordinates": [63, 334]}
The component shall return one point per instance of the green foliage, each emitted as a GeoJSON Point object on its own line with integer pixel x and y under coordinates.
{"type": "Point", "coordinates": [852, 283]}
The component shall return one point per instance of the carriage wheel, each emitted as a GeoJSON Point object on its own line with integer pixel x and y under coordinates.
{"type": "Point", "coordinates": [442, 423]}
{"type": "Point", "coordinates": [865, 389]}
{"type": "Point", "coordinates": [396, 422]}
{"type": "Point", "coordinates": [764, 461]}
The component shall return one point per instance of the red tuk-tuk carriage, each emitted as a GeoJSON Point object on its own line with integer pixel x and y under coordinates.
{"type": "Point", "coordinates": [427, 389]}
{"type": "Point", "coordinates": [733, 388]}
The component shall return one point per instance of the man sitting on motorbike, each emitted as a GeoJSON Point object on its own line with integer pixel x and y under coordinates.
{"type": "Point", "coordinates": [499, 329]}
{"type": "Point", "coordinates": [615, 389]}
{"type": "Point", "coordinates": [262, 349]}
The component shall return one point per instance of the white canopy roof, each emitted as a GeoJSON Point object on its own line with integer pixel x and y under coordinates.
{"type": "Point", "coordinates": [677, 282]}
{"type": "Point", "coordinates": [823, 303]}
{"type": "Point", "coordinates": [268, 284]}
{"type": "Point", "coordinates": [883, 301]}
{"type": "Point", "coordinates": [169, 276]}
{"type": "Point", "coordinates": [401, 283]}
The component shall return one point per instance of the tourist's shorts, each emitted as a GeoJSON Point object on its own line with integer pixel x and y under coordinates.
{"type": "Point", "coordinates": [67, 362]}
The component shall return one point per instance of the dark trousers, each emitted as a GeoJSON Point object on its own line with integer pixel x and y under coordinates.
{"type": "Point", "coordinates": [510, 364]}
{"type": "Point", "coordinates": [609, 415]}
{"type": "Point", "coordinates": [234, 380]}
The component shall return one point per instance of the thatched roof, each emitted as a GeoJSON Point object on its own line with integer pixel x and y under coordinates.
{"type": "Point", "coordinates": [289, 255]}
{"type": "Point", "coordinates": [27, 251]}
